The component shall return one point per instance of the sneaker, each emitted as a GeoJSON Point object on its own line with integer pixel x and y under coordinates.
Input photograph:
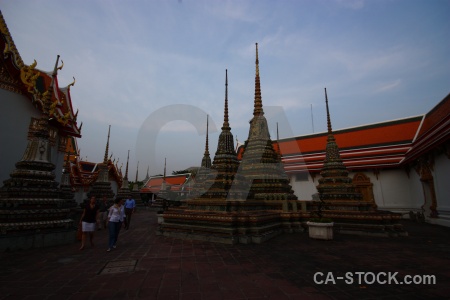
{"type": "Point", "coordinates": [109, 249]}
{"type": "Point", "coordinates": [114, 246]}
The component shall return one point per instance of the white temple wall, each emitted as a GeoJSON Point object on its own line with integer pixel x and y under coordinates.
{"type": "Point", "coordinates": [393, 191]}
{"type": "Point", "coordinates": [441, 176]}
{"type": "Point", "coordinates": [304, 189]}
{"type": "Point", "coordinates": [15, 116]}
{"type": "Point", "coordinates": [16, 112]}
{"type": "Point", "coordinates": [416, 190]}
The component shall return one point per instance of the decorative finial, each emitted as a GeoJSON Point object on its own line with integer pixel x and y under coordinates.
{"type": "Point", "coordinates": [55, 69]}
{"type": "Point", "coordinates": [62, 65]}
{"type": "Point", "coordinates": [105, 159]}
{"type": "Point", "coordinates": [47, 96]}
{"type": "Point", "coordinates": [278, 137]}
{"type": "Point", "coordinates": [165, 159]}
{"type": "Point", "coordinates": [137, 172]}
{"type": "Point", "coordinates": [258, 110]}
{"type": "Point", "coordinates": [126, 169]}
{"type": "Point", "coordinates": [257, 60]}
{"type": "Point", "coordinates": [207, 129]}
{"type": "Point", "coordinates": [226, 124]}
{"type": "Point", "coordinates": [73, 82]}
{"type": "Point", "coordinates": [328, 113]}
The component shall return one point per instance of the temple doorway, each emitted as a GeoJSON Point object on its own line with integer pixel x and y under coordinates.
{"type": "Point", "coordinates": [365, 187]}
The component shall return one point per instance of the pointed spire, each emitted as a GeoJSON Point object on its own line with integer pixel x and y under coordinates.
{"type": "Point", "coordinates": [105, 159]}
{"type": "Point", "coordinates": [55, 69]}
{"type": "Point", "coordinates": [206, 161]}
{"type": "Point", "coordinates": [126, 169]}
{"type": "Point", "coordinates": [163, 185]}
{"type": "Point", "coordinates": [226, 124]}
{"type": "Point", "coordinates": [258, 110]}
{"type": "Point", "coordinates": [328, 113]}
{"type": "Point", "coordinates": [165, 159]}
{"type": "Point", "coordinates": [137, 171]}
{"type": "Point", "coordinates": [278, 136]}
{"type": "Point", "coordinates": [148, 168]}
{"type": "Point", "coordinates": [47, 95]}
{"type": "Point", "coordinates": [207, 128]}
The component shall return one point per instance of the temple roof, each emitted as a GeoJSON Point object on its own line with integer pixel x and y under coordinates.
{"type": "Point", "coordinates": [175, 182]}
{"type": "Point", "coordinates": [434, 131]}
{"type": "Point", "coordinates": [377, 145]}
{"type": "Point", "coordinates": [85, 173]}
{"type": "Point", "coordinates": [33, 83]}
{"type": "Point", "coordinates": [384, 144]}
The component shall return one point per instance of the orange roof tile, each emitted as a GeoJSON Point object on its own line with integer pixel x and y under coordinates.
{"type": "Point", "coordinates": [386, 133]}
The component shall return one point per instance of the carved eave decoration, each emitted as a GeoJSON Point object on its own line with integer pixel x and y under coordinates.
{"type": "Point", "coordinates": [38, 86]}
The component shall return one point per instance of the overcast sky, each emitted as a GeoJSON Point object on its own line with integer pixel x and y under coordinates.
{"type": "Point", "coordinates": [154, 69]}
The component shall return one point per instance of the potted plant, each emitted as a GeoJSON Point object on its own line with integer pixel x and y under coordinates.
{"type": "Point", "coordinates": [320, 227]}
{"type": "Point", "coordinates": [160, 215]}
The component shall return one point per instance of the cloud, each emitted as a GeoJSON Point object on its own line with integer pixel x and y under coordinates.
{"type": "Point", "coordinates": [388, 86]}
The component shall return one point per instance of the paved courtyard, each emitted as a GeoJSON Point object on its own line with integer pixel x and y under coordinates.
{"type": "Point", "coordinates": [148, 266]}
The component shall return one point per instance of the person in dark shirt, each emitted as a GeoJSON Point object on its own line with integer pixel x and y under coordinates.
{"type": "Point", "coordinates": [88, 220]}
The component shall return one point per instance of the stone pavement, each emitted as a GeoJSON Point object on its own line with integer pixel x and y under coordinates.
{"type": "Point", "coordinates": [148, 266]}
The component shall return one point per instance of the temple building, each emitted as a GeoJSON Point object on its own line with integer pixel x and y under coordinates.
{"type": "Point", "coordinates": [19, 86]}
{"type": "Point", "coordinates": [399, 165]}
{"type": "Point", "coordinates": [84, 173]}
{"type": "Point", "coordinates": [35, 210]}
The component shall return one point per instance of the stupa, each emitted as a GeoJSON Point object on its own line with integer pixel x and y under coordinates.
{"type": "Point", "coordinates": [239, 205]}
{"type": "Point", "coordinates": [261, 163]}
{"type": "Point", "coordinates": [102, 186]}
{"type": "Point", "coordinates": [340, 201]}
{"type": "Point", "coordinates": [65, 187]}
{"type": "Point", "coordinates": [135, 190]}
{"type": "Point", "coordinates": [124, 190]}
{"type": "Point", "coordinates": [204, 171]}
{"type": "Point", "coordinates": [32, 212]}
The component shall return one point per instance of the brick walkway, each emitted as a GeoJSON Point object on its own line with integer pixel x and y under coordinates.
{"type": "Point", "coordinates": [154, 267]}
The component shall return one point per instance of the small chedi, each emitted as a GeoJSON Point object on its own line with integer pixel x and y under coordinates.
{"type": "Point", "coordinates": [124, 190]}
{"type": "Point", "coordinates": [102, 186]}
{"type": "Point", "coordinates": [246, 202]}
{"type": "Point", "coordinates": [340, 202]}
{"type": "Point", "coordinates": [135, 194]}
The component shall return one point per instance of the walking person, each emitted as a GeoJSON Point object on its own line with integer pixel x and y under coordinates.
{"type": "Point", "coordinates": [88, 220]}
{"type": "Point", "coordinates": [116, 215]}
{"type": "Point", "coordinates": [130, 206]}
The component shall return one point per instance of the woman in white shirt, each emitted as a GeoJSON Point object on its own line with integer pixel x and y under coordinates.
{"type": "Point", "coordinates": [115, 218]}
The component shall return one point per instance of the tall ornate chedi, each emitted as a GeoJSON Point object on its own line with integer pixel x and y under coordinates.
{"type": "Point", "coordinates": [102, 186]}
{"type": "Point", "coordinates": [340, 201]}
{"type": "Point", "coordinates": [32, 212]}
{"type": "Point", "coordinates": [335, 183]}
{"type": "Point", "coordinates": [65, 187]}
{"type": "Point", "coordinates": [204, 171]}
{"type": "Point", "coordinates": [135, 191]}
{"type": "Point", "coordinates": [223, 182]}
{"type": "Point", "coordinates": [235, 209]}
{"type": "Point", "coordinates": [261, 164]}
